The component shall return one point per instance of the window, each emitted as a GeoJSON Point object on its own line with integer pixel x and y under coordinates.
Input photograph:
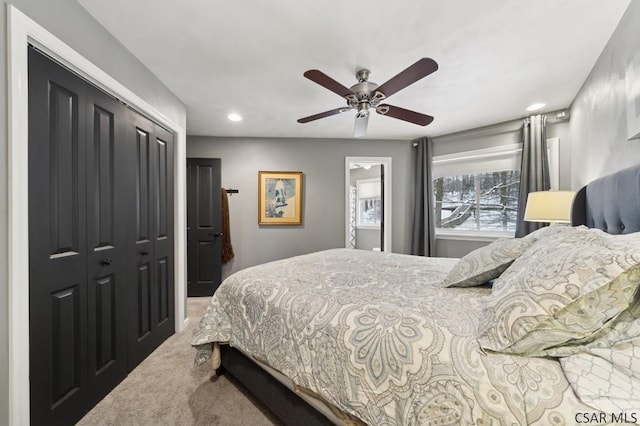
{"type": "Point", "coordinates": [369, 206]}
{"type": "Point", "coordinates": [477, 191]}
{"type": "Point", "coordinates": [485, 201]}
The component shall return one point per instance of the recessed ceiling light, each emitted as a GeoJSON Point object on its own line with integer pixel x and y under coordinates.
{"type": "Point", "coordinates": [535, 107]}
{"type": "Point", "coordinates": [234, 117]}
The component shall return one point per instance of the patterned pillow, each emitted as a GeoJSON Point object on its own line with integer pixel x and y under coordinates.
{"type": "Point", "coordinates": [605, 373]}
{"type": "Point", "coordinates": [486, 263]}
{"type": "Point", "coordinates": [560, 293]}
{"type": "Point", "coordinates": [555, 231]}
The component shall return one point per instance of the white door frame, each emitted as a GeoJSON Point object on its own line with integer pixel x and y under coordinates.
{"type": "Point", "coordinates": [21, 31]}
{"type": "Point", "coordinates": [386, 162]}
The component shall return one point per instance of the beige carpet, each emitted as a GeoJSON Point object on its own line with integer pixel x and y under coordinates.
{"type": "Point", "coordinates": [165, 389]}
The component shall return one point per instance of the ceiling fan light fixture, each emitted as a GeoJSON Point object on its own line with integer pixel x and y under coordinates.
{"type": "Point", "coordinates": [363, 110]}
{"type": "Point", "coordinates": [365, 95]}
{"type": "Point", "coordinates": [234, 117]}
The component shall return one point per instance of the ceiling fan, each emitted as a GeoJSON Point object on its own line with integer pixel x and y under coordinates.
{"type": "Point", "coordinates": [365, 95]}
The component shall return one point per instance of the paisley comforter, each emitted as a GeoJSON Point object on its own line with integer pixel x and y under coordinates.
{"type": "Point", "coordinates": [378, 336]}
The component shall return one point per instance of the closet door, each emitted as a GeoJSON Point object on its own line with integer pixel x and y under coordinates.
{"type": "Point", "coordinates": [101, 288]}
{"type": "Point", "coordinates": [151, 309]}
{"type": "Point", "coordinates": [109, 218]}
{"type": "Point", "coordinates": [57, 244]}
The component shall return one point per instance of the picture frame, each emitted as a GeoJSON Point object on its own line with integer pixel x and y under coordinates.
{"type": "Point", "coordinates": [632, 75]}
{"type": "Point", "coordinates": [280, 197]}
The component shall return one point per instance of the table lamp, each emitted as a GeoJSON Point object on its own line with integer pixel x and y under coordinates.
{"type": "Point", "coordinates": [549, 206]}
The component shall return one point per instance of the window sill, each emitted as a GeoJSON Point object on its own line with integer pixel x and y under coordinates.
{"type": "Point", "coordinates": [471, 236]}
{"type": "Point", "coordinates": [368, 227]}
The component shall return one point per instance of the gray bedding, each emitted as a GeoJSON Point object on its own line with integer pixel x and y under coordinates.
{"type": "Point", "coordinates": [379, 336]}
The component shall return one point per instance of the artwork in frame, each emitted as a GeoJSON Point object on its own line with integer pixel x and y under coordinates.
{"type": "Point", "coordinates": [279, 198]}
{"type": "Point", "coordinates": [632, 81]}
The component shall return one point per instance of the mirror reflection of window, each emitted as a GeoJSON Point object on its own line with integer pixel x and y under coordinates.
{"type": "Point", "coordinates": [369, 203]}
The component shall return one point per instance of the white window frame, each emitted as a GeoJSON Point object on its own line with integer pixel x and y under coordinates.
{"type": "Point", "coordinates": [553, 150]}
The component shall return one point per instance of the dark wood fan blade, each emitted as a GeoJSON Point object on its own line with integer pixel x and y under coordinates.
{"type": "Point", "coordinates": [323, 115]}
{"type": "Point", "coordinates": [325, 81]}
{"type": "Point", "coordinates": [404, 114]}
{"type": "Point", "coordinates": [415, 72]}
{"type": "Point", "coordinates": [360, 127]}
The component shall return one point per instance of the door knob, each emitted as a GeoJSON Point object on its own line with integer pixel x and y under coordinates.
{"type": "Point", "coordinates": [106, 261]}
{"type": "Point", "coordinates": [144, 252]}
{"type": "Point", "coordinates": [217, 234]}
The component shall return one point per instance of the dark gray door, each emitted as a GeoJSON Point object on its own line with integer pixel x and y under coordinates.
{"type": "Point", "coordinates": [98, 200]}
{"type": "Point", "coordinates": [204, 226]}
{"type": "Point", "coordinates": [108, 177]}
{"type": "Point", "coordinates": [77, 261]}
{"type": "Point", "coordinates": [151, 306]}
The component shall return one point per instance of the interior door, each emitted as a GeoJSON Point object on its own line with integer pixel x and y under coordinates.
{"type": "Point", "coordinates": [109, 212]}
{"type": "Point", "coordinates": [151, 306]}
{"type": "Point", "coordinates": [204, 226]}
{"type": "Point", "coordinates": [57, 244]}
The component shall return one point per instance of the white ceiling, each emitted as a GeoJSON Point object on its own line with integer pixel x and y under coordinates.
{"type": "Point", "coordinates": [495, 58]}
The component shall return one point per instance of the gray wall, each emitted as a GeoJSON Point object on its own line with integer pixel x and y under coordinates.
{"type": "Point", "coordinates": [322, 162]}
{"type": "Point", "coordinates": [68, 21]}
{"type": "Point", "coordinates": [599, 111]}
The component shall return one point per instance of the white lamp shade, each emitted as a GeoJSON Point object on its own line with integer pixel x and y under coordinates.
{"type": "Point", "coordinates": [549, 206]}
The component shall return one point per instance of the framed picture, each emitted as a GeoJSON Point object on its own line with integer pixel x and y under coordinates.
{"type": "Point", "coordinates": [279, 198]}
{"type": "Point", "coordinates": [632, 77]}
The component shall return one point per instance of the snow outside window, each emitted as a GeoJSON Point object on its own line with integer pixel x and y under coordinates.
{"type": "Point", "coordinates": [477, 192]}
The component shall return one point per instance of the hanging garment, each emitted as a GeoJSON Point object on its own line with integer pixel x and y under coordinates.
{"type": "Point", "coordinates": [227, 248]}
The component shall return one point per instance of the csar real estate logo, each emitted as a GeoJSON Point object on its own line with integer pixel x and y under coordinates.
{"type": "Point", "coordinates": [594, 418]}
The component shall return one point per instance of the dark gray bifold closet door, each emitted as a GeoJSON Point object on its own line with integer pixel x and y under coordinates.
{"type": "Point", "coordinates": [82, 221]}
{"type": "Point", "coordinates": [151, 292]}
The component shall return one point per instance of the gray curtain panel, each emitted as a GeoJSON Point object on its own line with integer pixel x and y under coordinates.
{"type": "Point", "coordinates": [534, 172]}
{"type": "Point", "coordinates": [423, 241]}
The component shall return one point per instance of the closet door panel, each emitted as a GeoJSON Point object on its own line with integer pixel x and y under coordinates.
{"type": "Point", "coordinates": [162, 185]}
{"type": "Point", "coordinates": [143, 307]}
{"type": "Point", "coordinates": [57, 244]}
{"type": "Point", "coordinates": [103, 190]}
{"type": "Point", "coordinates": [108, 186]}
{"type": "Point", "coordinates": [152, 306]}
{"type": "Point", "coordinates": [66, 344]}
{"type": "Point", "coordinates": [141, 294]}
{"type": "Point", "coordinates": [64, 170]}
{"type": "Point", "coordinates": [163, 283]}
{"type": "Point", "coordinates": [143, 195]}
{"type": "Point", "coordinates": [106, 320]}
{"type": "Point", "coordinates": [163, 244]}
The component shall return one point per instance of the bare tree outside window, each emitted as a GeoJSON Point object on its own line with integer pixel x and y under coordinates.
{"type": "Point", "coordinates": [477, 201]}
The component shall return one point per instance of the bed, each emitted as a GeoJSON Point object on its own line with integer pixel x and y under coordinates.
{"type": "Point", "coordinates": [539, 330]}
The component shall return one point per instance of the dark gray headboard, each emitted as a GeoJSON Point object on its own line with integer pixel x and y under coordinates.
{"type": "Point", "coordinates": [610, 203]}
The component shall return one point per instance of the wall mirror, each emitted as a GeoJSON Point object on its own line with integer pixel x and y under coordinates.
{"type": "Point", "coordinates": [368, 203]}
